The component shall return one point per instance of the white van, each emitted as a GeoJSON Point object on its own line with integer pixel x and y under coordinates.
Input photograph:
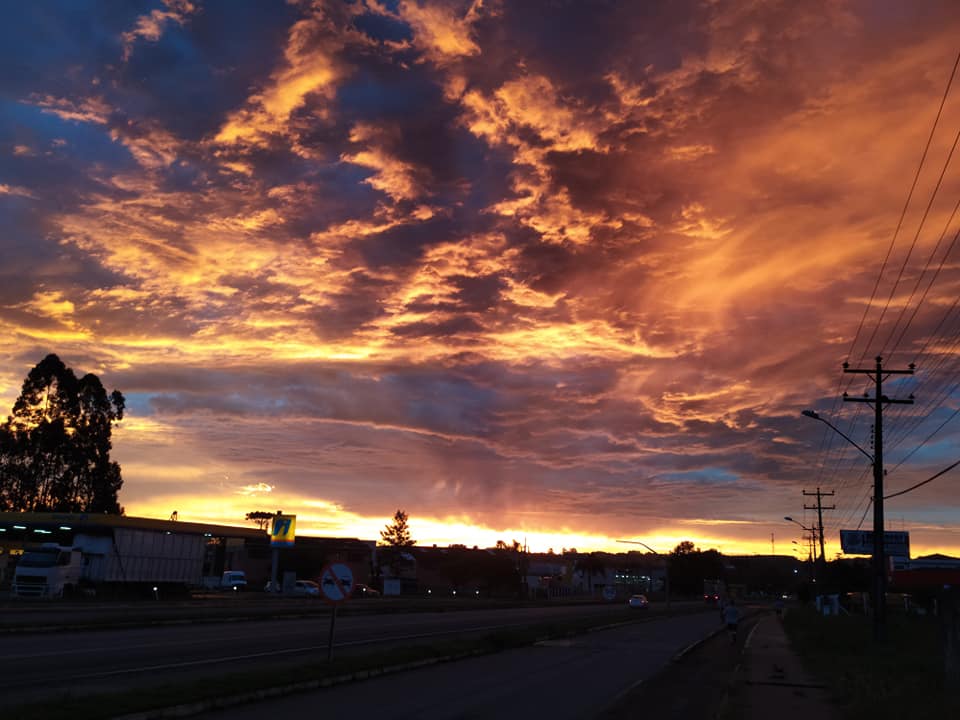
{"type": "Point", "coordinates": [234, 580]}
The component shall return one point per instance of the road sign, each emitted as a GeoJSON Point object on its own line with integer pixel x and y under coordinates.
{"type": "Point", "coordinates": [336, 583]}
{"type": "Point", "coordinates": [283, 530]}
{"type": "Point", "coordinates": [609, 592]}
{"type": "Point", "coordinates": [860, 542]}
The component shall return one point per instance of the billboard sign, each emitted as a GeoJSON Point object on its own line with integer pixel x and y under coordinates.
{"type": "Point", "coordinates": [283, 530]}
{"type": "Point", "coordinates": [860, 542]}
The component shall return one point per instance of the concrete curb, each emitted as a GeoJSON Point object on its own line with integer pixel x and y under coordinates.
{"type": "Point", "coordinates": [694, 645]}
{"type": "Point", "coordinates": [724, 704]}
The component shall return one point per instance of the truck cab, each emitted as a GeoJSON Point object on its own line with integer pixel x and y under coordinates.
{"type": "Point", "coordinates": [50, 571]}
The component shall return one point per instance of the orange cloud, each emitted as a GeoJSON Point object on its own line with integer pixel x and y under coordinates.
{"type": "Point", "coordinates": [310, 69]}
{"type": "Point", "coordinates": [439, 32]}
{"type": "Point", "coordinates": [150, 27]}
{"type": "Point", "coordinates": [394, 177]}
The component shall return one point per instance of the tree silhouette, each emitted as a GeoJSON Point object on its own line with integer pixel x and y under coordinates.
{"type": "Point", "coordinates": [396, 537]}
{"type": "Point", "coordinates": [397, 533]}
{"type": "Point", "coordinates": [55, 447]}
{"type": "Point", "coordinates": [261, 518]}
{"type": "Point", "coordinates": [690, 566]}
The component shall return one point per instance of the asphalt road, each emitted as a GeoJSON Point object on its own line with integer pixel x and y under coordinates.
{"type": "Point", "coordinates": [38, 666]}
{"type": "Point", "coordinates": [576, 679]}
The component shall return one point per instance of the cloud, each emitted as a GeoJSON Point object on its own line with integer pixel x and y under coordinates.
{"type": "Point", "coordinates": [150, 27]}
{"type": "Point", "coordinates": [392, 176]}
{"type": "Point", "coordinates": [445, 256]}
{"type": "Point", "coordinates": [440, 31]}
{"type": "Point", "coordinates": [310, 70]}
{"type": "Point", "coordinates": [16, 191]}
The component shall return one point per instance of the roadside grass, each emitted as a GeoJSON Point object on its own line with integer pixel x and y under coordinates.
{"type": "Point", "coordinates": [237, 687]}
{"type": "Point", "coordinates": [899, 678]}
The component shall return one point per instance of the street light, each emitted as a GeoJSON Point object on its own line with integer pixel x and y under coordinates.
{"type": "Point", "coordinates": [878, 562]}
{"type": "Point", "coordinates": [813, 538]}
{"type": "Point", "coordinates": [816, 416]}
{"type": "Point", "coordinates": [666, 567]}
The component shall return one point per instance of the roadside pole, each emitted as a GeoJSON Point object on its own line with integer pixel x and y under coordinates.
{"type": "Point", "coordinates": [333, 623]}
{"type": "Point", "coordinates": [282, 535]}
{"type": "Point", "coordinates": [336, 584]}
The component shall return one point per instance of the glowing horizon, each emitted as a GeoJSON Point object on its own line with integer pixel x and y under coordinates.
{"type": "Point", "coordinates": [575, 280]}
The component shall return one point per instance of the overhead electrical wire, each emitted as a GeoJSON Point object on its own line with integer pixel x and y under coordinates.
{"type": "Point", "coordinates": [913, 244]}
{"type": "Point", "coordinates": [921, 484]}
{"type": "Point", "coordinates": [833, 458]}
{"type": "Point", "coordinates": [916, 286]}
{"type": "Point", "coordinates": [903, 213]}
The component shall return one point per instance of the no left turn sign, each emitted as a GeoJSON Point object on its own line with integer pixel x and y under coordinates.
{"type": "Point", "coordinates": [336, 582]}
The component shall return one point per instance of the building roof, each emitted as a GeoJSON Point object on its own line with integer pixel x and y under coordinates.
{"type": "Point", "coordinates": [82, 521]}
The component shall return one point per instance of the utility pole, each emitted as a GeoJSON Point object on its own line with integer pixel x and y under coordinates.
{"type": "Point", "coordinates": [879, 561]}
{"type": "Point", "coordinates": [820, 508]}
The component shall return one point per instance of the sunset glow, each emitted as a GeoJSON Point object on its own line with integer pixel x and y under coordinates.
{"type": "Point", "coordinates": [560, 273]}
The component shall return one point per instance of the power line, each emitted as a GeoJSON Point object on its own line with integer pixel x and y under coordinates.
{"type": "Point", "coordinates": [903, 212]}
{"type": "Point", "coordinates": [906, 260]}
{"type": "Point", "coordinates": [933, 279]}
{"type": "Point", "coordinates": [865, 510]}
{"type": "Point", "coordinates": [920, 484]}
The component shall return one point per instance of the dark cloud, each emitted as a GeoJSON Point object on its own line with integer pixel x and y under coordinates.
{"type": "Point", "coordinates": [529, 265]}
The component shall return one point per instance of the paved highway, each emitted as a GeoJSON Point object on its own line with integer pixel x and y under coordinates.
{"type": "Point", "coordinates": [571, 679]}
{"type": "Point", "coordinates": [39, 666]}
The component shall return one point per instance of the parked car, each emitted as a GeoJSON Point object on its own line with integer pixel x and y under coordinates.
{"type": "Point", "coordinates": [364, 591]}
{"type": "Point", "coordinates": [301, 588]}
{"type": "Point", "coordinates": [639, 602]}
{"type": "Point", "coordinates": [306, 588]}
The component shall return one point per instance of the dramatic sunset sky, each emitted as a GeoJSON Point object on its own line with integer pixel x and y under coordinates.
{"type": "Point", "coordinates": [531, 269]}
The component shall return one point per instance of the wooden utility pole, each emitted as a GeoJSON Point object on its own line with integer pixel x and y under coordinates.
{"type": "Point", "coordinates": [820, 508]}
{"type": "Point", "coordinates": [879, 561]}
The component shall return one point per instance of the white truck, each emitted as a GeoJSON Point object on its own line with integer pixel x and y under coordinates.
{"type": "Point", "coordinates": [49, 571]}
{"type": "Point", "coordinates": [124, 560]}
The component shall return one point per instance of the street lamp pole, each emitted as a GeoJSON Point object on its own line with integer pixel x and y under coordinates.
{"type": "Point", "coordinates": [813, 540]}
{"type": "Point", "coordinates": [666, 567]}
{"type": "Point", "coordinates": [878, 400]}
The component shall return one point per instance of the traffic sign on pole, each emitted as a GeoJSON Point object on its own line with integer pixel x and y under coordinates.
{"type": "Point", "coordinates": [336, 584]}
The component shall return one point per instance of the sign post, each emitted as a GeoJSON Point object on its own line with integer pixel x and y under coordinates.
{"type": "Point", "coordinates": [282, 535]}
{"type": "Point", "coordinates": [336, 584]}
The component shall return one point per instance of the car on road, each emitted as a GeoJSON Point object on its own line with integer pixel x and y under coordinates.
{"type": "Point", "coordinates": [363, 591]}
{"type": "Point", "coordinates": [300, 588]}
{"type": "Point", "coordinates": [638, 602]}
{"type": "Point", "coordinates": [306, 588]}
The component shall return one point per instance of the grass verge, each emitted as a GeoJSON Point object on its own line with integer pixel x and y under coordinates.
{"type": "Point", "coordinates": [209, 693]}
{"type": "Point", "coordinates": [899, 678]}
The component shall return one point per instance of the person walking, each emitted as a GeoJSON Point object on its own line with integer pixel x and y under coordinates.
{"type": "Point", "coordinates": [731, 616]}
